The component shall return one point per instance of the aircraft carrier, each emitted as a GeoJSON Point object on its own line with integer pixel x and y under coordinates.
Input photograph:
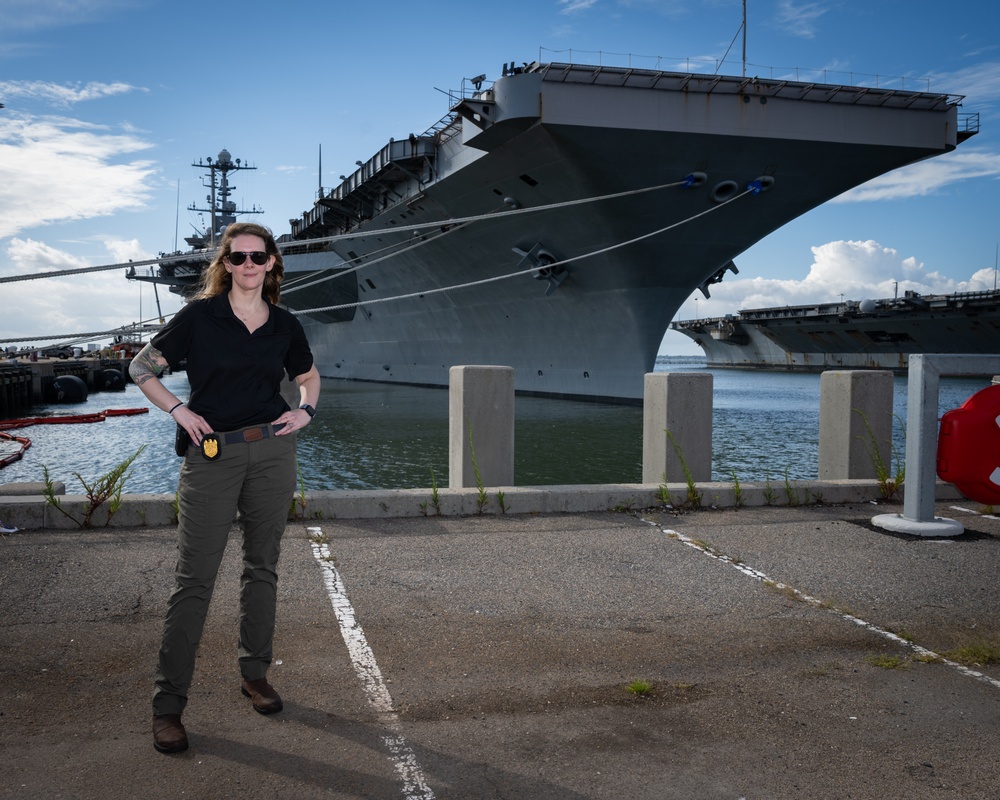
{"type": "Point", "coordinates": [556, 218]}
{"type": "Point", "coordinates": [867, 334]}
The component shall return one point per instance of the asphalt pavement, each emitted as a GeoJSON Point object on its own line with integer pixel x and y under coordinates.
{"type": "Point", "coordinates": [770, 652]}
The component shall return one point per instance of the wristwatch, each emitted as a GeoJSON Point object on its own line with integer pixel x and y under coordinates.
{"type": "Point", "coordinates": [308, 409]}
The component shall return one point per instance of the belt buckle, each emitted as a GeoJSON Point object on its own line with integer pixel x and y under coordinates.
{"type": "Point", "coordinates": [253, 434]}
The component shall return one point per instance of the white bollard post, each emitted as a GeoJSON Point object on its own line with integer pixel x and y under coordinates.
{"type": "Point", "coordinates": [480, 398]}
{"type": "Point", "coordinates": [855, 424]}
{"type": "Point", "coordinates": [681, 403]}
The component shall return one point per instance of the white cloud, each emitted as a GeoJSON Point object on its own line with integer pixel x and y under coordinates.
{"type": "Point", "coordinates": [841, 270]}
{"type": "Point", "coordinates": [799, 19]}
{"type": "Point", "coordinates": [980, 83]}
{"type": "Point", "coordinates": [573, 6]}
{"type": "Point", "coordinates": [64, 94]}
{"type": "Point", "coordinates": [58, 169]}
{"type": "Point", "coordinates": [41, 14]}
{"type": "Point", "coordinates": [74, 304]}
{"type": "Point", "coordinates": [852, 269]}
{"type": "Point", "coordinates": [123, 250]}
{"type": "Point", "coordinates": [926, 177]}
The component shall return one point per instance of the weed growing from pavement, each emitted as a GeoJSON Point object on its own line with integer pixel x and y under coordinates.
{"type": "Point", "coordinates": [627, 507]}
{"type": "Point", "coordinates": [482, 499]}
{"type": "Point", "coordinates": [888, 662]}
{"type": "Point", "coordinates": [737, 491]}
{"type": "Point", "coordinates": [640, 688]}
{"type": "Point", "coordinates": [693, 495]}
{"type": "Point", "coordinates": [662, 494]}
{"type": "Point", "coordinates": [889, 484]}
{"type": "Point", "coordinates": [106, 489]}
{"type": "Point", "coordinates": [768, 490]}
{"type": "Point", "coordinates": [903, 634]}
{"type": "Point", "coordinates": [978, 654]}
{"type": "Point", "coordinates": [435, 498]}
{"type": "Point", "coordinates": [790, 494]}
{"type": "Point", "coordinates": [317, 536]}
{"type": "Point", "coordinates": [785, 591]}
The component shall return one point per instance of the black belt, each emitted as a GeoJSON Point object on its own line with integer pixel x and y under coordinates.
{"type": "Point", "coordinates": [252, 434]}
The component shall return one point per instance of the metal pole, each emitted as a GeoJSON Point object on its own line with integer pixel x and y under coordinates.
{"type": "Point", "coordinates": [744, 38]}
{"type": "Point", "coordinates": [921, 447]}
{"type": "Point", "coordinates": [922, 386]}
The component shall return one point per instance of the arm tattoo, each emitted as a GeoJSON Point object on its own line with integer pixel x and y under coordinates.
{"type": "Point", "coordinates": [148, 364]}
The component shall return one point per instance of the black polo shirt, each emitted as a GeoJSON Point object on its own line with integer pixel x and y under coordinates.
{"type": "Point", "coordinates": [235, 375]}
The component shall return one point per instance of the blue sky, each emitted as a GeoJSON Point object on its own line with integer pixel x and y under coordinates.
{"type": "Point", "coordinates": [108, 102]}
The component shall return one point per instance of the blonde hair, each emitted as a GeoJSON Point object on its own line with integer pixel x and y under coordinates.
{"type": "Point", "coordinates": [216, 279]}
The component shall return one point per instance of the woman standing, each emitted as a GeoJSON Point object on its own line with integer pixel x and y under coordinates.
{"type": "Point", "coordinates": [235, 433]}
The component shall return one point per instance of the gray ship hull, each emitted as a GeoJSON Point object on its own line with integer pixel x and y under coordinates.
{"type": "Point", "coordinates": [737, 159]}
{"type": "Point", "coordinates": [878, 334]}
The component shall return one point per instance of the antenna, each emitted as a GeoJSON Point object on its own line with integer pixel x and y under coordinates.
{"type": "Point", "coordinates": [177, 212]}
{"type": "Point", "coordinates": [744, 38]}
{"type": "Point", "coordinates": [321, 170]}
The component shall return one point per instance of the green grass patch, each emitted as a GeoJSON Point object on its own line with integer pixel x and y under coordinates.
{"type": "Point", "coordinates": [888, 662]}
{"type": "Point", "coordinates": [640, 688]}
{"type": "Point", "coordinates": [977, 654]}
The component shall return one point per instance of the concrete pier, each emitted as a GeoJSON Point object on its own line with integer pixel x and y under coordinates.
{"type": "Point", "coordinates": [855, 423]}
{"type": "Point", "coordinates": [481, 426]}
{"type": "Point", "coordinates": [676, 427]}
{"type": "Point", "coordinates": [483, 398]}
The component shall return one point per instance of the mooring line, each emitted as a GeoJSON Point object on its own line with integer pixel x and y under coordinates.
{"type": "Point", "coordinates": [756, 574]}
{"type": "Point", "coordinates": [363, 658]}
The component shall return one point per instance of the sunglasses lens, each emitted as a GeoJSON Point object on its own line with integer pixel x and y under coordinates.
{"type": "Point", "coordinates": [258, 257]}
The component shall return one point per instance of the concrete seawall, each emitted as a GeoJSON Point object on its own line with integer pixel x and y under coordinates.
{"type": "Point", "coordinates": [31, 511]}
{"type": "Point", "coordinates": [677, 450]}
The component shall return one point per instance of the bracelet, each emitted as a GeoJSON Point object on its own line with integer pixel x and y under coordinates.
{"type": "Point", "coordinates": [171, 411]}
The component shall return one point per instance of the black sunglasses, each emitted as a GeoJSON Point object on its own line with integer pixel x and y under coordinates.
{"type": "Point", "coordinates": [237, 257]}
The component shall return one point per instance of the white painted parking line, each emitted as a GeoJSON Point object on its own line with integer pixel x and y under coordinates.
{"type": "Point", "coordinates": [974, 513]}
{"type": "Point", "coordinates": [363, 658]}
{"type": "Point", "coordinates": [756, 574]}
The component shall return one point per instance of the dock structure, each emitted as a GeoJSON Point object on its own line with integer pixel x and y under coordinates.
{"type": "Point", "coordinates": [26, 383]}
{"type": "Point", "coordinates": [15, 388]}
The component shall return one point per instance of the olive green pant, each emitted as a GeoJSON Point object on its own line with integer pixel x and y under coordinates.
{"type": "Point", "coordinates": [257, 479]}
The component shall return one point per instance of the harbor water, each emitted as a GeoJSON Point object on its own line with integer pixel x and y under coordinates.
{"type": "Point", "coordinates": [379, 436]}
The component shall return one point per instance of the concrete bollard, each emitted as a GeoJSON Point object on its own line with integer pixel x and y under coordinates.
{"type": "Point", "coordinates": [679, 402]}
{"type": "Point", "coordinates": [480, 397]}
{"type": "Point", "coordinates": [847, 399]}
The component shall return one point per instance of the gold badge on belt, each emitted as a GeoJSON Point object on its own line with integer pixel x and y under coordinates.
{"type": "Point", "coordinates": [211, 447]}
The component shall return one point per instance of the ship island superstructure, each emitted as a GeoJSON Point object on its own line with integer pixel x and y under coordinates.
{"type": "Point", "coordinates": [556, 219]}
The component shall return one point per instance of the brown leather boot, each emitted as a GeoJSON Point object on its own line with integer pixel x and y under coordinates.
{"type": "Point", "coordinates": [169, 735]}
{"type": "Point", "coordinates": [265, 699]}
